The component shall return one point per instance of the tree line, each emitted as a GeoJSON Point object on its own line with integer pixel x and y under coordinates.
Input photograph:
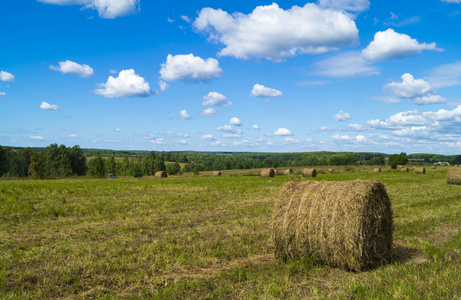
{"type": "Point", "coordinates": [60, 161]}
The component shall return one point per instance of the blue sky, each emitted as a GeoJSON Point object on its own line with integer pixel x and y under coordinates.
{"type": "Point", "coordinates": [345, 75]}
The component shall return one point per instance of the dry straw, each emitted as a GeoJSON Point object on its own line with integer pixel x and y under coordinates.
{"type": "Point", "coordinates": [161, 174]}
{"type": "Point", "coordinates": [288, 172]}
{"type": "Point", "coordinates": [404, 170]}
{"type": "Point", "coordinates": [330, 170]}
{"type": "Point", "coordinates": [377, 170]}
{"type": "Point", "coordinates": [420, 170]}
{"type": "Point", "coordinates": [217, 173]}
{"type": "Point", "coordinates": [309, 172]}
{"type": "Point", "coordinates": [454, 176]}
{"type": "Point", "coordinates": [433, 167]}
{"type": "Point", "coordinates": [345, 224]}
{"type": "Point", "coordinates": [267, 173]}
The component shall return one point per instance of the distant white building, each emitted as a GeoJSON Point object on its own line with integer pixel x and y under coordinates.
{"type": "Point", "coordinates": [442, 163]}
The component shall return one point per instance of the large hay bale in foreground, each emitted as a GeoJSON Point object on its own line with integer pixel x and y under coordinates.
{"type": "Point", "coordinates": [405, 170]}
{"type": "Point", "coordinates": [217, 173]}
{"type": "Point", "coordinates": [268, 173]}
{"type": "Point", "coordinates": [161, 174]}
{"type": "Point", "coordinates": [309, 172]}
{"type": "Point", "coordinates": [288, 172]}
{"type": "Point", "coordinates": [377, 170]}
{"type": "Point", "coordinates": [454, 176]}
{"type": "Point", "coordinates": [345, 224]}
{"type": "Point", "coordinates": [420, 170]}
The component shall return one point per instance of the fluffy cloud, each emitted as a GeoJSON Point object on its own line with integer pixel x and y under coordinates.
{"type": "Point", "coordinates": [107, 9]}
{"type": "Point", "coordinates": [210, 112]}
{"type": "Point", "coordinates": [255, 127]}
{"type": "Point", "coordinates": [417, 91]}
{"type": "Point", "coordinates": [127, 84]}
{"type": "Point", "coordinates": [388, 45]}
{"type": "Point", "coordinates": [118, 129]}
{"type": "Point", "coordinates": [189, 68]}
{"type": "Point", "coordinates": [283, 132]}
{"type": "Point", "coordinates": [185, 115]}
{"type": "Point", "coordinates": [216, 99]}
{"type": "Point", "coordinates": [47, 106]}
{"type": "Point", "coordinates": [345, 65]}
{"type": "Point", "coordinates": [35, 137]}
{"type": "Point", "coordinates": [163, 85]}
{"type": "Point", "coordinates": [73, 68]}
{"type": "Point", "coordinates": [225, 128]}
{"type": "Point", "coordinates": [159, 141]}
{"type": "Point", "coordinates": [208, 137]}
{"type": "Point", "coordinates": [262, 91]}
{"type": "Point", "coordinates": [347, 138]}
{"type": "Point", "coordinates": [231, 135]}
{"type": "Point", "coordinates": [235, 121]}
{"type": "Point", "coordinates": [72, 136]}
{"type": "Point", "coordinates": [2, 94]}
{"type": "Point", "coordinates": [5, 76]}
{"type": "Point", "coordinates": [342, 116]}
{"type": "Point", "coordinates": [273, 33]}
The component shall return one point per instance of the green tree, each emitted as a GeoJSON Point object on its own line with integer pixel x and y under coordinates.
{"type": "Point", "coordinates": [397, 159]}
{"type": "Point", "coordinates": [96, 167]}
{"type": "Point", "coordinates": [111, 166]}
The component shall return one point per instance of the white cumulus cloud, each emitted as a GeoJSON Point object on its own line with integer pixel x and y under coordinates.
{"type": "Point", "coordinates": [235, 121]}
{"type": "Point", "coordinates": [417, 91]}
{"type": "Point", "coordinates": [2, 94]}
{"type": "Point", "coordinates": [35, 137]}
{"type": "Point", "coordinates": [127, 84]}
{"type": "Point", "coordinates": [207, 137]}
{"type": "Point", "coordinates": [342, 116]}
{"type": "Point", "coordinates": [388, 45]}
{"type": "Point", "coordinates": [73, 68]}
{"type": "Point", "coordinates": [283, 132]}
{"type": "Point", "coordinates": [47, 106]}
{"type": "Point", "coordinates": [216, 99]}
{"type": "Point", "coordinates": [260, 90]}
{"type": "Point", "coordinates": [163, 85]}
{"type": "Point", "coordinates": [5, 76]}
{"type": "Point", "coordinates": [185, 115]}
{"type": "Point", "coordinates": [189, 68]}
{"type": "Point", "coordinates": [107, 9]}
{"type": "Point", "coordinates": [273, 33]}
{"type": "Point", "coordinates": [210, 112]}
{"type": "Point", "coordinates": [255, 127]}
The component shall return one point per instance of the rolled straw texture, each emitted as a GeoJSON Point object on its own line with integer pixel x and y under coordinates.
{"type": "Point", "coordinates": [345, 224]}
{"type": "Point", "coordinates": [217, 173]}
{"type": "Point", "coordinates": [454, 176]}
{"type": "Point", "coordinates": [268, 173]}
{"type": "Point", "coordinates": [377, 170]}
{"type": "Point", "coordinates": [420, 170]}
{"type": "Point", "coordinates": [161, 174]}
{"type": "Point", "coordinates": [288, 172]}
{"type": "Point", "coordinates": [309, 172]}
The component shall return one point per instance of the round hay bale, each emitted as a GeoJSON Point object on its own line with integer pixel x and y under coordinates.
{"type": "Point", "coordinates": [268, 173]}
{"type": "Point", "coordinates": [309, 172]}
{"type": "Point", "coordinates": [345, 224]}
{"type": "Point", "coordinates": [276, 171]}
{"type": "Point", "coordinates": [454, 176]}
{"type": "Point", "coordinates": [377, 170]}
{"type": "Point", "coordinates": [420, 170]}
{"type": "Point", "coordinates": [433, 167]}
{"type": "Point", "coordinates": [330, 170]}
{"type": "Point", "coordinates": [400, 166]}
{"type": "Point", "coordinates": [217, 173]}
{"type": "Point", "coordinates": [405, 170]}
{"type": "Point", "coordinates": [288, 172]}
{"type": "Point", "coordinates": [161, 174]}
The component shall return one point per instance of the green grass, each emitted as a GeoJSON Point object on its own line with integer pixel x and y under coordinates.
{"type": "Point", "coordinates": [203, 237]}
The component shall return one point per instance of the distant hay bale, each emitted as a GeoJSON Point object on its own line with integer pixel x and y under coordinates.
{"type": "Point", "coordinates": [420, 170]}
{"type": "Point", "coordinates": [400, 166]}
{"type": "Point", "coordinates": [377, 170]}
{"type": "Point", "coordinates": [454, 176]}
{"type": "Point", "coordinates": [345, 224]}
{"type": "Point", "coordinates": [161, 174]}
{"type": "Point", "coordinates": [404, 170]}
{"type": "Point", "coordinates": [433, 167]}
{"type": "Point", "coordinates": [330, 170]}
{"type": "Point", "coordinates": [309, 172]}
{"type": "Point", "coordinates": [288, 172]}
{"type": "Point", "coordinates": [217, 173]}
{"type": "Point", "coordinates": [268, 173]}
{"type": "Point", "coordinates": [276, 171]}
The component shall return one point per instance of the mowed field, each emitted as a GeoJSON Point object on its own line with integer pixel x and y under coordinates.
{"type": "Point", "coordinates": [204, 237]}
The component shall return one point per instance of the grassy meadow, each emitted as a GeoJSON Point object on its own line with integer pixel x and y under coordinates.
{"type": "Point", "coordinates": [204, 237]}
